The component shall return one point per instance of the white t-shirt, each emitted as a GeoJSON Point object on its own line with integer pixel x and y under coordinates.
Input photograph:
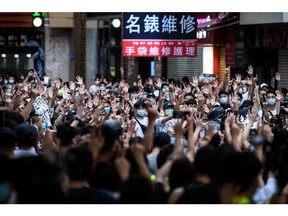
{"type": "Point", "coordinates": [260, 114]}
{"type": "Point", "coordinates": [164, 127]}
{"type": "Point", "coordinates": [93, 89]}
{"type": "Point", "coordinates": [138, 129]}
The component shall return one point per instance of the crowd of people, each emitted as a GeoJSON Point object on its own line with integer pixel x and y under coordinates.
{"type": "Point", "coordinates": [155, 141]}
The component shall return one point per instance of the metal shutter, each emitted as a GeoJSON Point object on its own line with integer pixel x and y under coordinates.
{"type": "Point", "coordinates": [283, 66]}
{"type": "Point", "coordinates": [177, 67]}
{"type": "Point", "coordinates": [222, 63]}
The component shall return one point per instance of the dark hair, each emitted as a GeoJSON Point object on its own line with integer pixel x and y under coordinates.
{"type": "Point", "coordinates": [13, 119]}
{"type": "Point", "coordinates": [181, 173]}
{"type": "Point", "coordinates": [164, 154]}
{"type": "Point", "coordinates": [139, 104]}
{"type": "Point", "coordinates": [7, 139]}
{"type": "Point", "coordinates": [37, 180]}
{"type": "Point", "coordinates": [65, 133]}
{"type": "Point", "coordinates": [270, 91]}
{"type": "Point", "coordinates": [137, 190]}
{"type": "Point", "coordinates": [204, 160]}
{"type": "Point", "coordinates": [133, 89]}
{"type": "Point", "coordinates": [241, 168]}
{"type": "Point", "coordinates": [161, 139]}
{"type": "Point", "coordinates": [78, 163]}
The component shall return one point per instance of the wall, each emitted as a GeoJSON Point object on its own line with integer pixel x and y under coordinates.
{"type": "Point", "coordinates": [57, 53]}
{"type": "Point", "coordinates": [91, 51]}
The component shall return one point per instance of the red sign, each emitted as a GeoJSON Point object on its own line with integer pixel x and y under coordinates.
{"type": "Point", "coordinates": [164, 48]}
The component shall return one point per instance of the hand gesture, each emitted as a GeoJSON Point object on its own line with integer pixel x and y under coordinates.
{"type": "Point", "coordinates": [152, 115]}
{"type": "Point", "coordinates": [279, 96]}
{"type": "Point", "coordinates": [238, 78]}
{"type": "Point", "coordinates": [198, 121]}
{"type": "Point", "coordinates": [159, 83]}
{"type": "Point", "coordinates": [250, 70]}
{"type": "Point", "coordinates": [79, 80]}
{"type": "Point", "coordinates": [96, 142]}
{"type": "Point", "coordinates": [277, 76]}
{"type": "Point", "coordinates": [227, 70]}
{"type": "Point", "coordinates": [194, 81]}
{"type": "Point", "coordinates": [249, 81]}
{"type": "Point", "coordinates": [178, 129]}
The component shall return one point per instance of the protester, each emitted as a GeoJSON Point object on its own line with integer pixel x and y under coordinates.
{"type": "Point", "coordinates": [154, 141]}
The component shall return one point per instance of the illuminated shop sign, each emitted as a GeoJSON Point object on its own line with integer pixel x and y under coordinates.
{"type": "Point", "coordinates": [159, 34]}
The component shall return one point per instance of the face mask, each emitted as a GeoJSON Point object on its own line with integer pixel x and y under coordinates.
{"type": "Point", "coordinates": [106, 110]}
{"type": "Point", "coordinates": [116, 89]}
{"type": "Point", "coordinates": [156, 93]}
{"type": "Point", "coordinates": [135, 95]}
{"type": "Point", "coordinates": [141, 112]}
{"type": "Point", "coordinates": [190, 109]}
{"type": "Point", "coordinates": [102, 88]}
{"type": "Point", "coordinates": [5, 81]}
{"type": "Point", "coordinates": [97, 82]}
{"type": "Point", "coordinates": [164, 90]}
{"type": "Point", "coordinates": [11, 81]}
{"type": "Point", "coordinates": [240, 91]}
{"type": "Point", "coordinates": [195, 95]}
{"type": "Point", "coordinates": [169, 112]}
{"type": "Point", "coordinates": [117, 105]}
{"type": "Point", "coordinates": [223, 100]}
{"type": "Point", "coordinates": [4, 191]}
{"type": "Point", "coordinates": [153, 102]}
{"type": "Point", "coordinates": [271, 101]}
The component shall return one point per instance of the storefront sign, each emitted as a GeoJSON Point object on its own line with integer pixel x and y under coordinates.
{"type": "Point", "coordinates": [168, 48]}
{"type": "Point", "coordinates": [159, 34]}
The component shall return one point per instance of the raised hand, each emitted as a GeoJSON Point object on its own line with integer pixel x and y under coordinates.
{"type": "Point", "coordinates": [250, 70]}
{"type": "Point", "coordinates": [227, 70]}
{"type": "Point", "coordinates": [79, 80]}
{"type": "Point", "coordinates": [277, 76]}
{"type": "Point", "coordinates": [194, 82]}
{"type": "Point", "coordinates": [238, 78]}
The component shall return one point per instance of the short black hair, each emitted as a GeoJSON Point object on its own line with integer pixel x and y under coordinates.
{"type": "Point", "coordinates": [8, 138]}
{"type": "Point", "coordinates": [65, 133]}
{"type": "Point", "coordinates": [270, 91]}
{"type": "Point", "coordinates": [78, 163]}
{"type": "Point", "coordinates": [241, 168]}
{"type": "Point", "coordinates": [139, 104]}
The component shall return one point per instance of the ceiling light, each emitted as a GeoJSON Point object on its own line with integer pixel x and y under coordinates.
{"type": "Point", "coordinates": [116, 23]}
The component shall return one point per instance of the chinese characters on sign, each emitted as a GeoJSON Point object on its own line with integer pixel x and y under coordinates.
{"type": "Point", "coordinates": [167, 48]}
{"type": "Point", "coordinates": [159, 34]}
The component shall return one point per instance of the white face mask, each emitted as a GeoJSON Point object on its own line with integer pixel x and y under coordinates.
{"type": "Point", "coordinates": [156, 93]}
{"type": "Point", "coordinates": [97, 82]}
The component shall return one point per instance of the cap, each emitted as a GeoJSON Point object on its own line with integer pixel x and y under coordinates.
{"type": "Point", "coordinates": [216, 114]}
{"type": "Point", "coordinates": [150, 95]}
{"type": "Point", "coordinates": [246, 104]}
{"type": "Point", "coordinates": [263, 85]}
{"type": "Point", "coordinates": [161, 139]}
{"type": "Point", "coordinates": [167, 104]}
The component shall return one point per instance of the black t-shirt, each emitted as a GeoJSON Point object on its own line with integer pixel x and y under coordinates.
{"type": "Point", "coordinates": [199, 193]}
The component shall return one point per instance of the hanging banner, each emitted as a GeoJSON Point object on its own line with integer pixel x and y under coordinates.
{"type": "Point", "coordinates": [159, 34]}
{"type": "Point", "coordinates": [42, 109]}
